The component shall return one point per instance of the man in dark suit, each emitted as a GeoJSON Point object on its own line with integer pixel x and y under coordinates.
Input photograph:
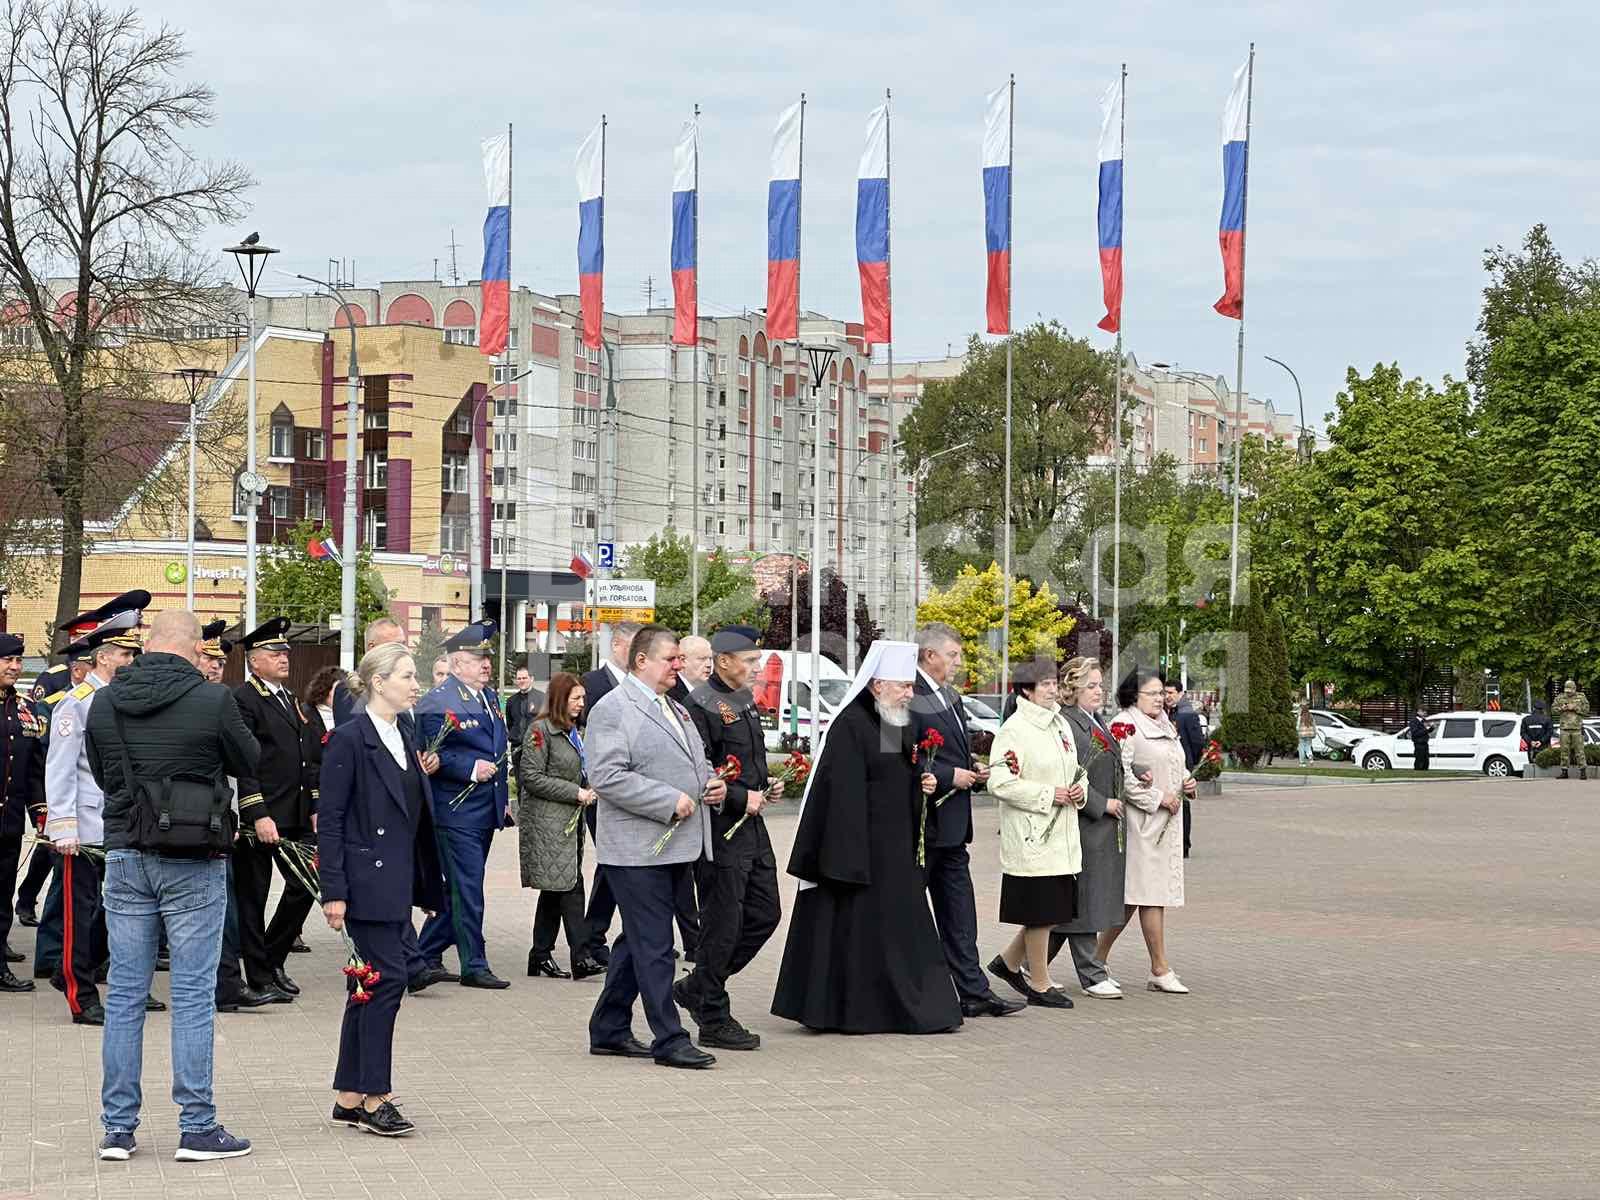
{"type": "Point", "coordinates": [470, 799]}
{"type": "Point", "coordinates": [521, 708]}
{"type": "Point", "coordinates": [22, 753]}
{"type": "Point", "coordinates": [935, 705]}
{"type": "Point", "coordinates": [279, 801]}
{"type": "Point", "coordinates": [1193, 739]}
{"type": "Point", "coordinates": [602, 904]}
{"type": "Point", "coordinates": [693, 673]}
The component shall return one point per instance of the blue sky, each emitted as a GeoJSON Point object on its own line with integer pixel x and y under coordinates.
{"type": "Point", "coordinates": [1391, 144]}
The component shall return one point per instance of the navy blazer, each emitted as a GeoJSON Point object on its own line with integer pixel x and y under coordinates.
{"type": "Point", "coordinates": [1190, 734]}
{"type": "Point", "coordinates": [482, 736]}
{"type": "Point", "coordinates": [949, 824]}
{"type": "Point", "coordinates": [596, 683]}
{"type": "Point", "coordinates": [375, 840]}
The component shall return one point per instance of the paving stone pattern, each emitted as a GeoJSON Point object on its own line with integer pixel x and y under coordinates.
{"type": "Point", "coordinates": [1394, 996]}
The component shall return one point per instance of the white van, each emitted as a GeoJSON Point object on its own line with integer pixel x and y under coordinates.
{"type": "Point", "coordinates": [782, 688]}
{"type": "Point", "coordinates": [1490, 742]}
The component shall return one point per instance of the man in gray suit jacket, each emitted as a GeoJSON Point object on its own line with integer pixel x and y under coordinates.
{"type": "Point", "coordinates": [649, 769]}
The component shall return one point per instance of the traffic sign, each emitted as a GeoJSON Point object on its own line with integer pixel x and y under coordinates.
{"type": "Point", "coordinates": [608, 555]}
{"type": "Point", "coordinates": [612, 615]}
{"type": "Point", "coordinates": [625, 593]}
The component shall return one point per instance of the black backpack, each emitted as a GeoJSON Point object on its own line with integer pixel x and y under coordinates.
{"type": "Point", "coordinates": [179, 816]}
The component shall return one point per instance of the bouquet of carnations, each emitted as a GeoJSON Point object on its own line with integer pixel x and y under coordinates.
{"type": "Point", "coordinates": [929, 745]}
{"type": "Point", "coordinates": [449, 725]}
{"type": "Point", "coordinates": [731, 768]}
{"type": "Point", "coordinates": [794, 770]}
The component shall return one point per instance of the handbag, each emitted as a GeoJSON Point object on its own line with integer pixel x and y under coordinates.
{"type": "Point", "coordinates": [177, 816]}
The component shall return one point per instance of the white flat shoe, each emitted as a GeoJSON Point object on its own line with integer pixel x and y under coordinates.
{"type": "Point", "coordinates": [1168, 983]}
{"type": "Point", "coordinates": [1104, 990]}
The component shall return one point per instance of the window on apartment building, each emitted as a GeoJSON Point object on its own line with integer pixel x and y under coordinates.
{"type": "Point", "coordinates": [454, 530]}
{"type": "Point", "coordinates": [777, 530]}
{"type": "Point", "coordinates": [584, 417]}
{"type": "Point", "coordinates": [711, 460]}
{"type": "Point", "coordinates": [316, 508]}
{"type": "Point", "coordinates": [460, 423]}
{"type": "Point", "coordinates": [744, 368]}
{"type": "Point", "coordinates": [583, 518]}
{"type": "Point", "coordinates": [313, 445]}
{"type": "Point", "coordinates": [453, 480]}
{"type": "Point", "coordinates": [377, 468]}
{"type": "Point", "coordinates": [722, 398]}
{"type": "Point", "coordinates": [376, 528]}
{"type": "Point", "coordinates": [278, 503]}
{"type": "Point", "coordinates": [743, 494]}
{"type": "Point", "coordinates": [375, 418]}
{"type": "Point", "coordinates": [504, 476]}
{"type": "Point", "coordinates": [432, 617]}
{"type": "Point", "coordinates": [586, 451]}
{"type": "Point", "coordinates": [506, 511]}
{"type": "Point", "coordinates": [711, 525]}
{"type": "Point", "coordinates": [1202, 445]}
{"type": "Point", "coordinates": [505, 406]}
{"type": "Point", "coordinates": [508, 546]}
{"type": "Point", "coordinates": [582, 483]}
{"type": "Point", "coordinates": [777, 502]}
{"type": "Point", "coordinates": [742, 526]}
{"type": "Point", "coordinates": [722, 364]}
{"type": "Point", "coordinates": [504, 442]}
{"type": "Point", "coordinates": [281, 442]}
{"type": "Point", "coordinates": [722, 462]}
{"type": "Point", "coordinates": [461, 335]}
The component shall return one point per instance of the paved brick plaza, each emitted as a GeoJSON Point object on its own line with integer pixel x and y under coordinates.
{"type": "Point", "coordinates": [1394, 996]}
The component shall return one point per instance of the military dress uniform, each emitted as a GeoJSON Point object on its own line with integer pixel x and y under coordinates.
{"type": "Point", "coordinates": [21, 797]}
{"type": "Point", "coordinates": [739, 905]}
{"type": "Point", "coordinates": [48, 690]}
{"type": "Point", "coordinates": [465, 827]}
{"type": "Point", "coordinates": [284, 788]}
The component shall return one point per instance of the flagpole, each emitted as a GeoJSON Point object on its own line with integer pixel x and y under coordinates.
{"type": "Point", "coordinates": [506, 641]}
{"type": "Point", "coordinates": [894, 432]}
{"type": "Point", "coordinates": [1011, 333]}
{"type": "Point", "coordinates": [1116, 426]}
{"type": "Point", "coordinates": [1238, 414]}
{"type": "Point", "coordinates": [694, 354]}
{"type": "Point", "coordinates": [602, 460]}
{"type": "Point", "coordinates": [816, 453]}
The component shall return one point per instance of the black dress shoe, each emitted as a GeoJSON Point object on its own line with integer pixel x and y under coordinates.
{"type": "Point", "coordinates": [27, 916]}
{"type": "Point", "coordinates": [991, 1006]}
{"type": "Point", "coordinates": [283, 983]}
{"type": "Point", "coordinates": [631, 1048]}
{"type": "Point", "coordinates": [425, 979]}
{"type": "Point", "coordinates": [245, 997]}
{"type": "Point", "coordinates": [680, 997]}
{"type": "Point", "coordinates": [583, 968]}
{"type": "Point", "coordinates": [12, 955]}
{"type": "Point", "coordinates": [385, 1121]}
{"type": "Point", "coordinates": [298, 946]}
{"type": "Point", "coordinates": [346, 1116]}
{"type": "Point", "coordinates": [729, 1035]}
{"type": "Point", "coordinates": [10, 983]}
{"type": "Point", "coordinates": [273, 993]}
{"type": "Point", "coordinates": [687, 1056]}
{"type": "Point", "coordinates": [151, 1004]}
{"type": "Point", "coordinates": [93, 1015]}
{"type": "Point", "coordinates": [546, 965]}
{"type": "Point", "coordinates": [601, 954]}
{"type": "Point", "coordinates": [484, 979]}
{"type": "Point", "coordinates": [1054, 998]}
{"type": "Point", "coordinates": [998, 968]}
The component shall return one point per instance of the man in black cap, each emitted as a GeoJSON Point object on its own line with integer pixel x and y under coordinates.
{"type": "Point", "coordinates": [22, 796]}
{"type": "Point", "coordinates": [52, 684]}
{"type": "Point", "coordinates": [278, 802]}
{"type": "Point", "coordinates": [213, 652]}
{"type": "Point", "coordinates": [739, 907]}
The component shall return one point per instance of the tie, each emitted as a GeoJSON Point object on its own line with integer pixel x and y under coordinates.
{"type": "Point", "coordinates": [283, 700]}
{"type": "Point", "coordinates": [672, 720]}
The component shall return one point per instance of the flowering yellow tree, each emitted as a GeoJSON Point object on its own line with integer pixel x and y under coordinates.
{"type": "Point", "coordinates": [973, 606]}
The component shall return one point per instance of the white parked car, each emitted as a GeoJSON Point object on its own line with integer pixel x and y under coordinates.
{"type": "Point", "coordinates": [1490, 742]}
{"type": "Point", "coordinates": [1335, 736]}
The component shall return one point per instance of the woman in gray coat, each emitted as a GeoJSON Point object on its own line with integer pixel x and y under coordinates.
{"type": "Point", "coordinates": [553, 789]}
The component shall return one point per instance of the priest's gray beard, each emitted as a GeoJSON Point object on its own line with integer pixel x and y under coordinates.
{"type": "Point", "coordinates": [899, 717]}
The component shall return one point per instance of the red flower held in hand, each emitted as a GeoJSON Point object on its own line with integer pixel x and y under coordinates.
{"type": "Point", "coordinates": [1100, 739]}
{"type": "Point", "coordinates": [360, 997]}
{"type": "Point", "coordinates": [932, 741]}
{"type": "Point", "coordinates": [1122, 729]}
{"type": "Point", "coordinates": [1011, 763]}
{"type": "Point", "coordinates": [352, 970]}
{"type": "Point", "coordinates": [730, 769]}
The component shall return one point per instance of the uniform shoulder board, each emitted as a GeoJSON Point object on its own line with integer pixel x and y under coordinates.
{"type": "Point", "coordinates": [261, 688]}
{"type": "Point", "coordinates": [82, 690]}
{"type": "Point", "coordinates": [55, 699]}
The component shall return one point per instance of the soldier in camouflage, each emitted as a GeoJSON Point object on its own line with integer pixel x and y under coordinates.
{"type": "Point", "coordinates": [1569, 710]}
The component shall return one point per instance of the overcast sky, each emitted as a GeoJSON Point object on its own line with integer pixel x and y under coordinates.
{"type": "Point", "coordinates": [1392, 143]}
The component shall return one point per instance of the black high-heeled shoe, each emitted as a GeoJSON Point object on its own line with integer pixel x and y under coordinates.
{"type": "Point", "coordinates": [545, 964]}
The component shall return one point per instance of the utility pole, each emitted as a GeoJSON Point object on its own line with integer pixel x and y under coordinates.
{"type": "Point", "coordinates": [455, 275]}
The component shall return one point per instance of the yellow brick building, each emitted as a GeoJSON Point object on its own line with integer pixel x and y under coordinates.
{"type": "Point", "coordinates": [422, 404]}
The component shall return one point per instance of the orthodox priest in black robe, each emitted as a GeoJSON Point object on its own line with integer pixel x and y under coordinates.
{"type": "Point", "coordinates": [863, 955]}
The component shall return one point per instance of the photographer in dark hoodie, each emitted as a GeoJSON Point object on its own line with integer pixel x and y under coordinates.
{"type": "Point", "coordinates": [177, 726]}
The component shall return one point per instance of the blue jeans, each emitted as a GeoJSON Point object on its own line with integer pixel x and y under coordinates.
{"type": "Point", "coordinates": [190, 896]}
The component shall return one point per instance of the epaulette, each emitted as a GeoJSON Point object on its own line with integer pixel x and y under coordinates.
{"type": "Point", "coordinates": [83, 689]}
{"type": "Point", "coordinates": [261, 688]}
{"type": "Point", "coordinates": [55, 698]}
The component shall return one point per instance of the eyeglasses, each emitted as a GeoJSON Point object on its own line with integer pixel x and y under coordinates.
{"type": "Point", "coordinates": [1157, 692]}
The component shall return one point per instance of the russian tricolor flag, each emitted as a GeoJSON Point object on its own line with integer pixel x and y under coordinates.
{"type": "Point", "coordinates": [591, 167]}
{"type": "Point", "coordinates": [685, 234]}
{"type": "Point", "coordinates": [1235, 174]}
{"type": "Point", "coordinates": [997, 206]}
{"type": "Point", "coordinates": [496, 282]}
{"type": "Point", "coordinates": [872, 229]}
{"type": "Point", "coordinates": [783, 226]}
{"type": "Point", "coordinates": [1111, 205]}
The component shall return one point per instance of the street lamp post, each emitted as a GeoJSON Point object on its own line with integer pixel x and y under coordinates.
{"type": "Point", "coordinates": [193, 379]}
{"type": "Point", "coordinates": [1304, 448]}
{"type": "Point", "coordinates": [352, 417]}
{"type": "Point", "coordinates": [251, 257]}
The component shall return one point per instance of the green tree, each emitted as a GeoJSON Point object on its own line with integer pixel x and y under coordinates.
{"type": "Point", "coordinates": [1062, 395]}
{"type": "Point", "coordinates": [290, 583]}
{"type": "Point", "coordinates": [1265, 725]}
{"type": "Point", "coordinates": [727, 593]}
{"type": "Point", "coordinates": [1528, 286]}
{"type": "Point", "coordinates": [775, 619]}
{"type": "Point", "coordinates": [973, 605]}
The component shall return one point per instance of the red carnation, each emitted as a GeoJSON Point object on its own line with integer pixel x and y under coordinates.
{"type": "Point", "coordinates": [1100, 739]}
{"type": "Point", "coordinates": [730, 769]}
{"type": "Point", "coordinates": [1011, 763]}
{"type": "Point", "coordinates": [360, 997]}
{"type": "Point", "coordinates": [1122, 729]}
{"type": "Point", "coordinates": [352, 970]}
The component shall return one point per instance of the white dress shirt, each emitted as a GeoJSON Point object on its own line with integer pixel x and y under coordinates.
{"type": "Point", "coordinates": [389, 734]}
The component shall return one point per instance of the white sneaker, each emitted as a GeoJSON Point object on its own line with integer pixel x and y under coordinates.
{"type": "Point", "coordinates": [1168, 983]}
{"type": "Point", "coordinates": [1104, 990]}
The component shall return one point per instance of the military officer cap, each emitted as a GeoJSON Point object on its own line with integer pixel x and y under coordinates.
{"type": "Point", "coordinates": [126, 611]}
{"type": "Point", "coordinates": [733, 639]}
{"type": "Point", "coordinates": [10, 645]}
{"type": "Point", "coordinates": [211, 644]}
{"type": "Point", "coordinates": [476, 638]}
{"type": "Point", "coordinates": [107, 635]}
{"type": "Point", "coordinates": [51, 680]}
{"type": "Point", "coordinates": [272, 634]}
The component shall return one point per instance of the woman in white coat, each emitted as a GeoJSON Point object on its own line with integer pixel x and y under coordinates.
{"type": "Point", "coordinates": [1033, 772]}
{"type": "Point", "coordinates": [1157, 782]}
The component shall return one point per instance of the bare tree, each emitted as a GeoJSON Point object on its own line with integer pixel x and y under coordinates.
{"type": "Point", "coordinates": [101, 208]}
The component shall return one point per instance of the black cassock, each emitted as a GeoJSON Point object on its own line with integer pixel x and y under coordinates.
{"type": "Point", "coordinates": [863, 955]}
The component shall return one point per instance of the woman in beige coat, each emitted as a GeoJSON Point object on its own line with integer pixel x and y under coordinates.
{"type": "Point", "coordinates": [1157, 782]}
{"type": "Point", "coordinates": [1034, 773]}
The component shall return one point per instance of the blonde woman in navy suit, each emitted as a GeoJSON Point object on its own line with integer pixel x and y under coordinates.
{"type": "Point", "coordinates": [378, 860]}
